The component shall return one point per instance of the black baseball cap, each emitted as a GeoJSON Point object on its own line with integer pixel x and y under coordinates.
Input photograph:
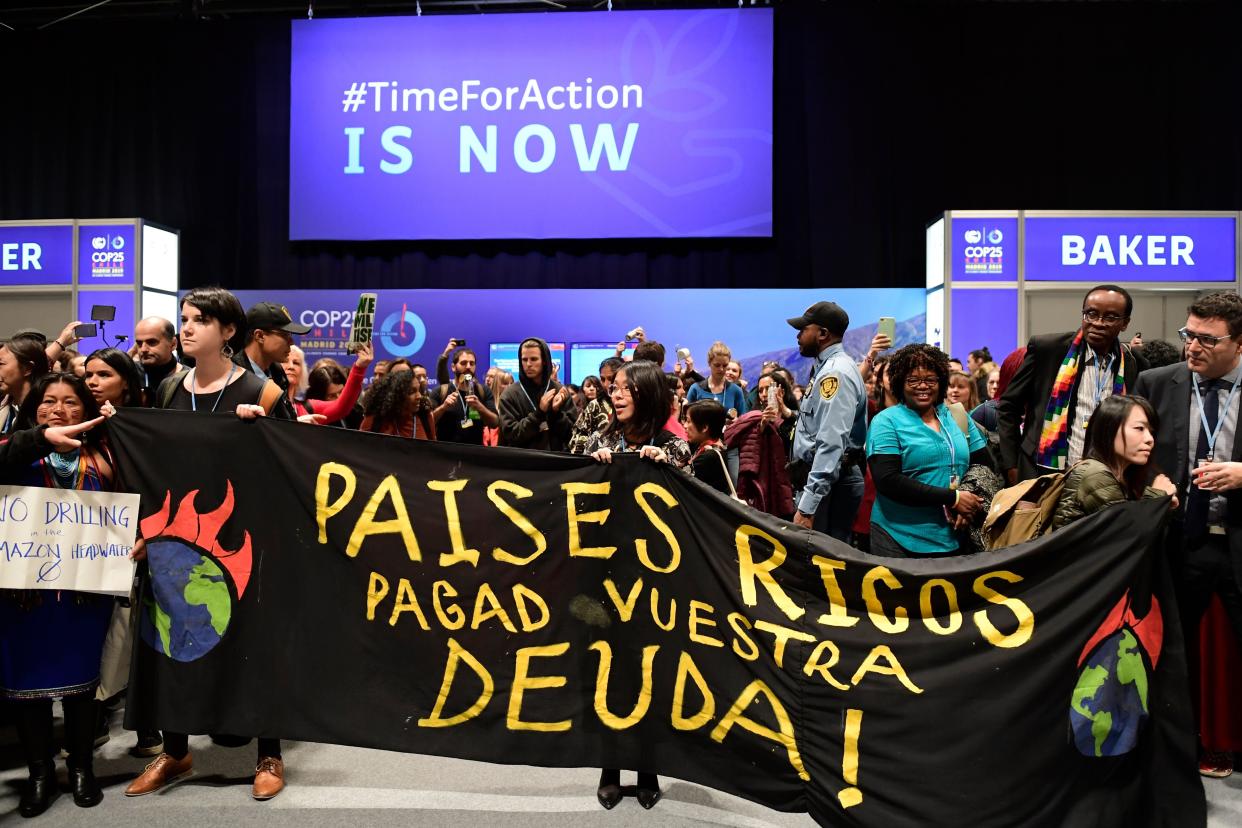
{"type": "Point", "coordinates": [828, 315]}
{"type": "Point", "coordinates": [268, 316]}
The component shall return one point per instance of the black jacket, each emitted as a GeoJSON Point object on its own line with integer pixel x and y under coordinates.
{"type": "Point", "coordinates": [283, 409]}
{"type": "Point", "coordinates": [523, 425]}
{"type": "Point", "coordinates": [20, 448]}
{"type": "Point", "coordinates": [1020, 410]}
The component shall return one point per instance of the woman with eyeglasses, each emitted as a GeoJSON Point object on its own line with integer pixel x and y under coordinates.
{"type": "Point", "coordinates": [641, 400]}
{"type": "Point", "coordinates": [51, 641]}
{"type": "Point", "coordinates": [918, 455]}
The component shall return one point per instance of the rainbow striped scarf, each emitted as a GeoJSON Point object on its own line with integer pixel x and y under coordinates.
{"type": "Point", "coordinates": [1054, 438]}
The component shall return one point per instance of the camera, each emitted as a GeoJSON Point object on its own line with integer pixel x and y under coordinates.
{"type": "Point", "coordinates": [632, 334]}
{"type": "Point", "coordinates": [683, 353]}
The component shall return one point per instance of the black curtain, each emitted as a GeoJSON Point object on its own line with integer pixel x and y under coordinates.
{"type": "Point", "coordinates": [886, 113]}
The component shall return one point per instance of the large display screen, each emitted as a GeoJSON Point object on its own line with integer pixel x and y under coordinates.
{"type": "Point", "coordinates": [416, 324]}
{"type": "Point", "coordinates": [609, 124]}
{"type": "Point", "coordinates": [506, 357]}
{"type": "Point", "coordinates": [585, 357]}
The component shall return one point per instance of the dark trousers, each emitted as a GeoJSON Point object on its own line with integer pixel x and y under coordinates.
{"type": "Point", "coordinates": [838, 511]}
{"type": "Point", "coordinates": [34, 729]}
{"type": "Point", "coordinates": [177, 745]}
{"type": "Point", "coordinates": [1206, 568]}
{"type": "Point", "coordinates": [884, 546]}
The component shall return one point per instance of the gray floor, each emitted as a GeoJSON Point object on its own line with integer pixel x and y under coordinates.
{"type": "Point", "coordinates": [330, 785]}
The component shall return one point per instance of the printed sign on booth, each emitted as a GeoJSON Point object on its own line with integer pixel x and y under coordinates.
{"type": "Point", "coordinates": [106, 254]}
{"type": "Point", "coordinates": [1131, 249]}
{"type": "Point", "coordinates": [36, 254]}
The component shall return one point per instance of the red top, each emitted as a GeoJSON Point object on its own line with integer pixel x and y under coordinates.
{"type": "Point", "coordinates": [338, 409]}
{"type": "Point", "coordinates": [675, 427]}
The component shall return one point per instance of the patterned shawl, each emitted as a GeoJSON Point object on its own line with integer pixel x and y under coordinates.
{"type": "Point", "coordinates": [1054, 438]}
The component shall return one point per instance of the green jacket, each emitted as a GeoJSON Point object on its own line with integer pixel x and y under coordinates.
{"type": "Point", "coordinates": [1090, 487]}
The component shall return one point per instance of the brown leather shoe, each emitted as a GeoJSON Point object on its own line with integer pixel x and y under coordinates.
{"type": "Point", "coordinates": [269, 778]}
{"type": "Point", "coordinates": [162, 772]}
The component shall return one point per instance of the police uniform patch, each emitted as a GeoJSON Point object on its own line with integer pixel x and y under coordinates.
{"type": "Point", "coordinates": [828, 387]}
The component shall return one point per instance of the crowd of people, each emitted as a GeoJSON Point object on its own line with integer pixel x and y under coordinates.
{"type": "Point", "coordinates": [899, 454]}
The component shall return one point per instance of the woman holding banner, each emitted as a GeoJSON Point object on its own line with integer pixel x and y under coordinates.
{"type": "Point", "coordinates": [1119, 440]}
{"type": "Point", "coordinates": [641, 400]}
{"type": "Point", "coordinates": [213, 328]}
{"type": "Point", "coordinates": [51, 641]}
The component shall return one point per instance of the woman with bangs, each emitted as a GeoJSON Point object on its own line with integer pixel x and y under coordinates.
{"type": "Point", "coordinates": [213, 328]}
{"type": "Point", "coordinates": [641, 401]}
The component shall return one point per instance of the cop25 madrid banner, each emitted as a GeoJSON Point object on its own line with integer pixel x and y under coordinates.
{"type": "Point", "coordinates": [526, 607]}
{"type": "Point", "coordinates": [619, 124]}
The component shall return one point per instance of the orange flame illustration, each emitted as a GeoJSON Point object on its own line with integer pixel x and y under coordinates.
{"type": "Point", "coordinates": [1149, 628]}
{"type": "Point", "coordinates": [202, 530]}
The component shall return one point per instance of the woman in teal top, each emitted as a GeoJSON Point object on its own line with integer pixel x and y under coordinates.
{"type": "Point", "coordinates": [918, 454]}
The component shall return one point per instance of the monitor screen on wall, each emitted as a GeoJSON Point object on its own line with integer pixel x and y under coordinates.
{"type": "Point", "coordinates": [598, 125]}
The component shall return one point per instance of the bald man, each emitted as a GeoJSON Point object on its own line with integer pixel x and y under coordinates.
{"type": "Point", "coordinates": [155, 340]}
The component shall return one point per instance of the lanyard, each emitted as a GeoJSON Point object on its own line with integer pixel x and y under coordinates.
{"type": "Point", "coordinates": [1103, 377]}
{"type": "Point", "coordinates": [527, 393]}
{"type": "Point", "coordinates": [948, 441]}
{"type": "Point", "coordinates": [1212, 434]}
{"type": "Point", "coordinates": [194, 399]}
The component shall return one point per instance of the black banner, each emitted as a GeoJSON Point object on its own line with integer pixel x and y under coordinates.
{"type": "Point", "coordinates": [532, 608]}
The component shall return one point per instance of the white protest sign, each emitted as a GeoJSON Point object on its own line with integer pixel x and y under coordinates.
{"type": "Point", "coordinates": [67, 539]}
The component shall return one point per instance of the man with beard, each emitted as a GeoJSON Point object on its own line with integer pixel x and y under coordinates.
{"type": "Point", "coordinates": [826, 467]}
{"type": "Point", "coordinates": [155, 341]}
{"type": "Point", "coordinates": [536, 411]}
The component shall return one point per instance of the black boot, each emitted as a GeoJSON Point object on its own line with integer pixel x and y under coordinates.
{"type": "Point", "coordinates": [81, 724]}
{"type": "Point", "coordinates": [609, 793]}
{"type": "Point", "coordinates": [648, 790]}
{"type": "Point", "coordinates": [40, 790]}
{"type": "Point", "coordinates": [86, 791]}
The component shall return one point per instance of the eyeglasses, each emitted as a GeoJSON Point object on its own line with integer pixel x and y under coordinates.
{"type": "Point", "coordinates": [1204, 340]}
{"type": "Point", "coordinates": [922, 382]}
{"type": "Point", "coordinates": [1106, 318]}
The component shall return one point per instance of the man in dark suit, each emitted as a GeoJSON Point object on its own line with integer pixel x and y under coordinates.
{"type": "Point", "coordinates": [1205, 537]}
{"type": "Point", "coordinates": [1042, 427]}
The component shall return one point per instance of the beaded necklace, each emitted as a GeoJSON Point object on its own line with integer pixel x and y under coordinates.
{"type": "Point", "coordinates": [67, 469]}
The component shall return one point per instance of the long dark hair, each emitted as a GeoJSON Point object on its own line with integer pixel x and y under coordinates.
{"type": "Point", "coordinates": [125, 368]}
{"type": "Point", "coordinates": [653, 400]}
{"type": "Point", "coordinates": [389, 398]}
{"type": "Point", "coordinates": [29, 353]}
{"type": "Point", "coordinates": [90, 408]}
{"type": "Point", "coordinates": [1109, 418]}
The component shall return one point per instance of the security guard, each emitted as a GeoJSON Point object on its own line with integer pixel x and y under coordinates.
{"type": "Point", "coordinates": [826, 469]}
